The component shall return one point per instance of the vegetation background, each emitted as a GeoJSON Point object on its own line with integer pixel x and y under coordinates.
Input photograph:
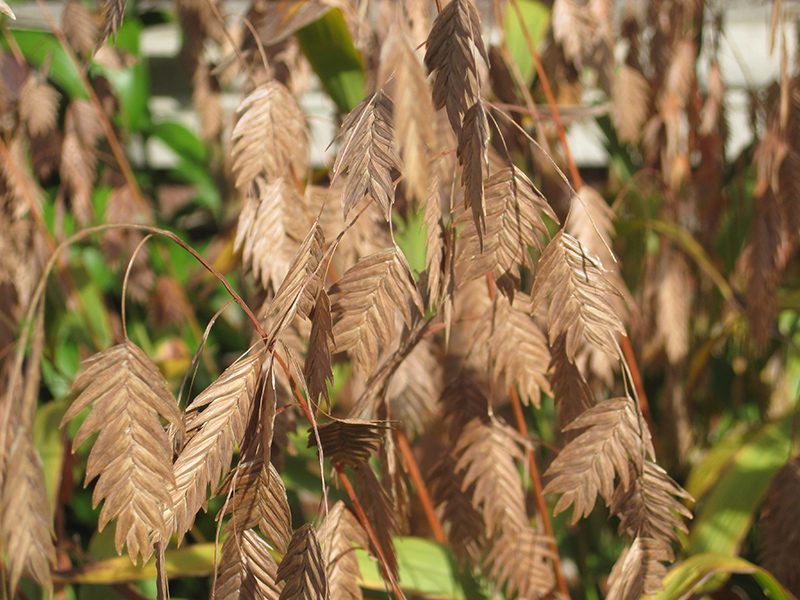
{"type": "Point", "coordinates": [450, 420]}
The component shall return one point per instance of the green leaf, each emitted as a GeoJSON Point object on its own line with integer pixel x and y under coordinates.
{"type": "Point", "coordinates": [131, 85]}
{"type": "Point", "coordinates": [329, 48]}
{"type": "Point", "coordinates": [410, 236]}
{"type": "Point", "coordinates": [536, 16]}
{"type": "Point", "coordinates": [49, 441]}
{"type": "Point", "coordinates": [730, 506]}
{"type": "Point", "coordinates": [182, 140]}
{"type": "Point", "coordinates": [426, 569]}
{"type": "Point", "coordinates": [690, 574]}
{"type": "Point", "coordinates": [38, 47]}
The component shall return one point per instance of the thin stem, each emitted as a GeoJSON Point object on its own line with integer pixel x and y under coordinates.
{"type": "Point", "coordinates": [362, 517]}
{"type": "Point", "coordinates": [422, 489]}
{"type": "Point", "coordinates": [541, 505]}
{"type": "Point", "coordinates": [122, 310]}
{"type": "Point", "coordinates": [551, 99]}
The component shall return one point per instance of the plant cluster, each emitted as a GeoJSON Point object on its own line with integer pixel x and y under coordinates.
{"type": "Point", "coordinates": [426, 349]}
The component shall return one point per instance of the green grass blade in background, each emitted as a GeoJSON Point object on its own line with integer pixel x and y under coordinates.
{"type": "Point", "coordinates": [329, 48]}
{"type": "Point", "coordinates": [730, 506]}
{"type": "Point", "coordinates": [38, 47]}
{"type": "Point", "coordinates": [536, 16]}
{"type": "Point", "coordinates": [687, 576]}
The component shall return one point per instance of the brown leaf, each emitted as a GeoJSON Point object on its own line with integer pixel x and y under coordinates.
{"type": "Point", "coordinates": [349, 442]}
{"type": "Point", "coordinates": [518, 348]}
{"type": "Point", "coordinates": [587, 465]}
{"type": "Point", "coordinates": [212, 434]}
{"type": "Point", "coordinates": [339, 536]}
{"type": "Point", "coordinates": [25, 524]}
{"type": "Point", "coordinates": [113, 12]}
{"type": "Point", "coordinates": [258, 499]}
{"type": "Point", "coordinates": [270, 136]}
{"type": "Point", "coordinates": [434, 243]}
{"type": "Point", "coordinates": [271, 228]}
{"type": "Point", "coordinates": [577, 293]}
{"type": "Point", "coordinates": [520, 560]}
{"type": "Point", "coordinates": [570, 391]}
{"type": "Point", "coordinates": [247, 570]}
{"type": "Point", "coordinates": [303, 568]}
{"type": "Point", "coordinates": [651, 506]}
{"type": "Point", "coordinates": [317, 367]}
{"type": "Point", "coordinates": [38, 106]}
{"type": "Point", "coordinates": [301, 286]}
{"type": "Point", "coordinates": [452, 48]}
{"type": "Point", "coordinates": [514, 209]}
{"type": "Point", "coordinates": [473, 156]}
{"type": "Point", "coordinates": [779, 536]}
{"type": "Point", "coordinates": [132, 454]}
{"type": "Point", "coordinates": [415, 387]}
{"type": "Point", "coordinates": [487, 453]}
{"type": "Point", "coordinates": [639, 570]}
{"type": "Point", "coordinates": [630, 103]}
{"type": "Point", "coordinates": [380, 513]}
{"type": "Point", "coordinates": [365, 302]}
{"type": "Point", "coordinates": [413, 110]}
{"type": "Point", "coordinates": [464, 524]}
{"type": "Point", "coordinates": [80, 27]}
{"type": "Point", "coordinates": [367, 154]}
{"type": "Point", "coordinates": [674, 299]}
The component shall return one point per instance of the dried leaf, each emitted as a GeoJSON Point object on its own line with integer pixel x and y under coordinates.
{"type": "Point", "coordinates": [366, 301]}
{"type": "Point", "coordinates": [514, 223]}
{"type": "Point", "coordinates": [487, 452]}
{"type": "Point", "coordinates": [301, 286]}
{"type": "Point", "coordinates": [570, 391]}
{"type": "Point", "coordinates": [38, 106]}
{"type": "Point", "coordinates": [520, 560]}
{"type": "Point", "coordinates": [80, 27]}
{"type": "Point", "coordinates": [25, 524]}
{"type": "Point", "coordinates": [652, 507]}
{"type": "Point", "coordinates": [367, 154]}
{"type": "Point", "coordinates": [452, 48]}
{"type": "Point", "coordinates": [573, 29]}
{"type": "Point", "coordinates": [518, 348]}
{"type": "Point", "coordinates": [339, 536]}
{"type": "Point", "coordinates": [473, 156]}
{"type": "Point", "coordinates": [247, 570]}
{"type": "Point", "coordinates": [415, 387]}
{"type": "Point", "coordinates": [674, 298]}
{"type": "Point", "coordinates": [413, 110]}
{"type": "Point", "coordinates": [317, 368]}
{"type": "Point", "coordinates": [613, 440]}
{"type": "Point", "coordinates": [270, 136]}
{"type": "Point", "coordinates": [578, 294]}
{"type": "Point", "coordinates": [639, 570]}
{"type": "Point", "coordinates": [630, 100]}
{"type": "Point", "coordinates": [434, 243]}
{"type": "Point", "coordinates": [212, 434]}
{"type": "Point", "coordinates": [464, 524]}
{"type": "Point", "coordinates": [303, 568]}
{"type": "Point", "coordinates": [113, 12]}
{"type": "Point", "coordinates": [258, 499]}
{"type": "Point", "coordinates": [779, 535]}
{"type": "Point", "coordinates": [271, 229]}
{"type": "Point", "coordinates": [132, 454]}
{"type": "Point", "coordinates": [380, 513]}
{"type": "Point", "coordinates": [349, 442]}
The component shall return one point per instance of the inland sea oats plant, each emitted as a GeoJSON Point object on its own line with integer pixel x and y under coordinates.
{"type": "Point", "coordinates": [327, 303]}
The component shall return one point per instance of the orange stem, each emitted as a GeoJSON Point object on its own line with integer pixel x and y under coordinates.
{"type": "Point", "coordinates": [537, 490]}
{"type": "Point", "coordinates": [422, 490]}
{"type": "Point", "coordinates": [551, 99]}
